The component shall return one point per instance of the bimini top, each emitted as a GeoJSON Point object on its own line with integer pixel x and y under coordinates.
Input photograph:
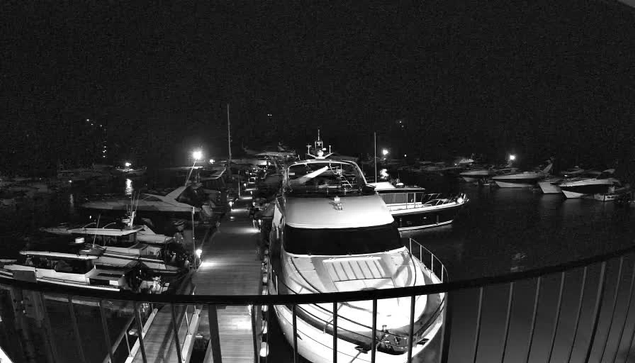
{"type": "Point", "coordinates": [337, 212]}
{"type": "Point", "coordinates": [324, 177]}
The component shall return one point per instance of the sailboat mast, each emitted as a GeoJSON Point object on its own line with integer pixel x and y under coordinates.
{"type": "Point", "coordinates": [229, 139]}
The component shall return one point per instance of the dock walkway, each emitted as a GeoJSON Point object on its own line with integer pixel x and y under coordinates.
{"type": "Point", "coordinates": [229, 265]}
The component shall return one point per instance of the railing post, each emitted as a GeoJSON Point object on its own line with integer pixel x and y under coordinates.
{"type": "Point", "coordinates": [47, 325]}
{"type": "Point", "coordinates": [446, 328]}
{"type": "Point", "coordinates": [104, 326]}
{"type": "Point", "coordinates": [478, 322]}
{"type": "Point", "coordinates": [533, 318]}
{"type": "Point", "coordinates": [295, 333]}
{"type": "Point", "coordinates": [579, 312]}
{"type": "Point", "coordinates": [628, 308]}
{"type": "Point", "coordinates": [176, 333]}
{"type": "Point", "coordinates": [615, 296]}
{"type": "Point", "coordinates": [78, 339]}
{"type": "Point", "coordinates": [557, 318]}
{"type": "Point", "coordinates": [507, 319]}
{"type": "Point", "coordinates": [373, 351]}
{"type": "Point", "coordinates": [596, 310]}
{"type": "Point", "coordinates": [214, 341]}
{"type": "Point", "coordinates": [411, 327]}
{"type": "Point", "coordinates": [142, 347]}
{"type": "Point", "coordinates": [334, 332]}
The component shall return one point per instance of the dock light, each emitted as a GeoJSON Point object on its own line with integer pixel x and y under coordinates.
{"type": "Point", "coordinates": [199, 252]}
{"type": "Point", "coordinates": [264, 349]}
{"type": "Point", "coordinates": [512, 157]}
{"type": "Point", "coordinates": [384, 152]}
{"type": "Point", "coordinates": [197, 155]}
{"type": "Point", "coordinates": [127, 164]}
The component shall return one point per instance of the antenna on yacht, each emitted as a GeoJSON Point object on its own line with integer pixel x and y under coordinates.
{"type": "Point", "coordinates": [319, 149]}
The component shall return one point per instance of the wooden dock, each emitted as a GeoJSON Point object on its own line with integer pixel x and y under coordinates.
{"type": "Point", "coordinates": [229, 265]}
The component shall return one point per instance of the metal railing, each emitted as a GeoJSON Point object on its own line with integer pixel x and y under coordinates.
{"type": "Point", "coordinates": [578, 311]}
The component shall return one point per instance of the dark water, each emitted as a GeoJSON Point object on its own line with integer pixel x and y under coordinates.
{"type": "Point", "coordinates": [499, 231]}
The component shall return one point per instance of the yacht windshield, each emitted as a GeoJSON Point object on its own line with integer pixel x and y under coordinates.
{"type": "Point", "coordinates": [325, 178]}
{"type": "Point", "coordinates": [341, 241]}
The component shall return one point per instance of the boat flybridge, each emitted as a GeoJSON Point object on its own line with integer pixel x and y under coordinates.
{"type": "Point", "coordinates": [77, 265]}
{"type": "Point", "coordinates": [123, 242]}
{"type": "Point", "coordinates": [332, 232]}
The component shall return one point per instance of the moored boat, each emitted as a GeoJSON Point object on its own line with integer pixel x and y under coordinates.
{"type": "Point", "coordinates": [413, 208]}
{"type": "Point", "coordinates": [333, 233]}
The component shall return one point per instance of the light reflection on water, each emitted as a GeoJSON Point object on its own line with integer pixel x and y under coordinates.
{"type": "Point", "coordinates": [129, 189]}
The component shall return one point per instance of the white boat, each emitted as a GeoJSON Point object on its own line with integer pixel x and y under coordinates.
{"type": "Point", "coordinates": [181, 202]}
{"type": "Point", "coordinates": [600, 184]}
{"type": "Point", "coordinates": [522, 180]}
{"type": "Point", "coordinates": [125, 243]}
{"type": "Point", "coordinates": [413, 208]}
{"type": "Point", "coordinates": [476, 174]}
{"type": "Point", "coordinates": [551, 184]}
{"type": "Point", "coordinates": [75, 265]}
{"type": "Point", "coordinates": [332, 233]}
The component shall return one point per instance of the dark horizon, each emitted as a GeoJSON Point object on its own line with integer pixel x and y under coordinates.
{"type": "Point", "coordinates": [539, 79]}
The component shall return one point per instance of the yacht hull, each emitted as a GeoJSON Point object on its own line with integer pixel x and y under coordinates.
{"type": "Point", "coordinates": [516, 183]}
{"type": "Point", "coordinates": [316, 345]}
{"type": "Point", "coordinates": [409, 220]}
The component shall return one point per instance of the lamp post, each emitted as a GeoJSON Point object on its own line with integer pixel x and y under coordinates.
{"type": "Point", "coordinates": [196, 155]}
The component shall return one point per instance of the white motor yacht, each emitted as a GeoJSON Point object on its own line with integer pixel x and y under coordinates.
{"type": "Point", "coordinates": [333, 233]}
{"type": "Point", "coordinates": [181, 202]}
{"type": "Point", "coordinates": [600, 184]}
{"type": "Point", "coordinates": [522, 180]}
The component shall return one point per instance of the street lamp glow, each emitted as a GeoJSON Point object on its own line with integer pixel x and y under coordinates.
{"type": "Point", "coordinates": [197, 155]}
{"type": "Point", "coordinates": [384, 152]}
{"type": "Point", "coordinates": [512, 157]}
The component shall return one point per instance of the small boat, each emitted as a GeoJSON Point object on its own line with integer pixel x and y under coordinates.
{"type": "Point", "coordinates": [76, 265]}
{"type": "Point", "coordinates": [551, 184]}
{"type": "Point", "coordinates": [413, 208]}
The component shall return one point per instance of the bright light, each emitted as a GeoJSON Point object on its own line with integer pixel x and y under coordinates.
{"type": "Point", "coordinates": [212, 161]}
{"type": "Point", "coordinates": [512, 157]}
{"type": "Point", "coordinates": [231, 203]}
{"type": "Point", "coordinates": [127, 164]}
{"type": "Point", "coordinates": [384, 152]}
{"type": "Point", "coordinates": [206, 264]}
{"type": "Point", "coordinates": [197, 155]}
{"type": "Point", "coordinates": [404, 155]}
{"type": "Point", "coordinates": [264, 349]}
{"type": "Point", "coordinates": [199, 252]}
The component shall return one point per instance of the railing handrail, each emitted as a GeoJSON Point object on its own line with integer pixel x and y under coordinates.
{"type": "Point", "coordinates": [317, 298]}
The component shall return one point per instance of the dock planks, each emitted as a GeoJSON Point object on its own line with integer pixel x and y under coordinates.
{"type": "Point", "coordinates": [230, 266]}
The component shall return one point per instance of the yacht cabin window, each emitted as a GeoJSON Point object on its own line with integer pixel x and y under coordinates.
{"type": "Point", "coordinates": [341, 241]}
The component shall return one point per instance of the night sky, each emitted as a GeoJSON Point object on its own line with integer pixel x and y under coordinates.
{"type": "Point", "coordinates": [538, 78]}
